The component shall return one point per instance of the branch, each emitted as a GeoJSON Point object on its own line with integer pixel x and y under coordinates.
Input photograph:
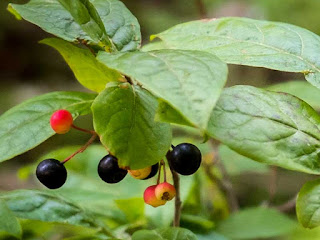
{"type": "Point", "coordinates": [225, 184]}
{"type": "Point", "coordinates": [178, 203]}
{"type": "Point", "coordinates": [287, 206]}
{"type": "Point", "coordinates": [201, 8]}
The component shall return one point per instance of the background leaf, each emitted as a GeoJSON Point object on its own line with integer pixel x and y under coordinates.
{"type": "Point", "coordinates": [273, 128]}
{"type": "Point", "coordinates": [9, 224]}
{"type": "Point", "coordinates": [308, 204]}
{"type": "Point", "coordinates": [164, 234]}
{"type": "Point", "coordinates": [124, 119]}
{"type": "Point", "coordinates": [89, 72]}
{"type": "Point", "coordinates": [243, 41]}
{"type": "Point", "coordinates": [27, 125]}
{"type": "Point", "coordinates": [256, 223]}
{"type": "Point", "coordinates": [168, 74]}
{"type": "Point", "coordinates": [120, 25]}
{"type": "Point", "coordinates": [300, 89]}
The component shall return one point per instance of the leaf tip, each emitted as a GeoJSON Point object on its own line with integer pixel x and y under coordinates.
{"type": "Point", "coordinates": [14, 12]}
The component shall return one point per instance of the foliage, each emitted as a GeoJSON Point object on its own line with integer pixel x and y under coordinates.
{"type": "Point", "coordinates": [178, 80]}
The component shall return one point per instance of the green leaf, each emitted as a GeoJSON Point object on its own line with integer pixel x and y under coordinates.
{"type": "Point", "coordinates": [190, 81]}
{"type": "Point", "coordinates": [85, 22]}
{"type": "Point", "coordinates": [48, 207]}
{"type": "Point", "coordinates": [308, 204]}
{"type": "Point", "coordinates": [85, 14]}
{"type": "Point", "coordinates": [273, 128]}
{"type": "Point", "coordinates": [254, 223]}
{"type": "Point", "coordinates": [236, 164]}
{"type": "Point", "coordinates": [300, 89]}
{"type": "Point", "coordinates": [89, 72]}
{"type": "Point", "coordinates": [9, 224]}
{"type": "Point", "coordinates": [123, 117]}
{"type": "Point", "coordinates": [211, 236]}
{"type": "Point", "coordinates": [133, 208]}
{"type": "Point", "coordinates": [25, 126]}
{"type": "Point", "coordinates": [164, 234]}
{"type": "Point", "coordinates": [197, 224]}
{"type": "Point", "coordinates": [250, 42]}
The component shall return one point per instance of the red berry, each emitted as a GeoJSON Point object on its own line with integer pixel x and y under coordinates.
{"type": "Point", "coordinates": [61, 121]}
{"type": "Point", "coordinates": [150, 197]}
{"type": "Point", "coordinates": [165, 191]}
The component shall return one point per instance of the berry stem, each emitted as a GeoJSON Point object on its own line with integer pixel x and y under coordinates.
{"type": "Point", "coordinates": [159, 174]}
{"type": "Point", "coordinates": [164, 171]}
{"type": "Point", "coordinates": [172, 146]}
{"type": "Point", "coordinates": [84, 130]}
{"type": "Point", "coordinates": [82, 149]}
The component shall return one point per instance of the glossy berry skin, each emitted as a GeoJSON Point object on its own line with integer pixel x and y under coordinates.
{"type": "Point", "coordinates": [109, 171]}
{"type": "Point", "coordinates": [165, 191]}
{"type": "Point", "coordinates": [150, 198]}
{"type": "Point", "coordinates": [185, 158]}
{"type": "Point", "coordinates": [61, 121]}
{"type": "Point", "coordinates": [154, 170]}
{"type": "Point", "coordinates": [51, 173]}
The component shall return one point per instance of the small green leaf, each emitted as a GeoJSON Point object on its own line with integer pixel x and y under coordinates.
{"type": "Point", "coordinates": [102, 16]}
{"type": "Point", "coordinates": [27, 125]}
{"type": "Point", "coordinates": [133, 208]}
{"type": "Point", "coordinates": [89, 72]}
{"type": "Point", "coordinates": [300, 89]}
{"type": "Point", "coordinates": [164, 234]}
{"type": "Point", "coordinates": [250, 42]}
{"type": "Point", "coordinates": [308, 204]}
{"type": "Point", "coordinates": [124, 119]}
{"type": "Point", "coordinates": [48, 207]}
{"type": "Point", "coordinates": [9, 224]}
{"type": "Point", "coordinates": [273, 128]}
{"type": "Point", "coordinates": [255, 223]}
{"type": "Point", "coordinates": [190, 81]}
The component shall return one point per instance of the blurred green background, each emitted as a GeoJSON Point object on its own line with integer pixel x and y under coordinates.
{"type": "Point", "coordinates": [28, 69]}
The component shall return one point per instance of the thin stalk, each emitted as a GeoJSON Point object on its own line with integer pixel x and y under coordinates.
{"type": "Point", "coordinates": [84, 130]}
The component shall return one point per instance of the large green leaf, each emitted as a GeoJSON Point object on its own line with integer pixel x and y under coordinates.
{"type": "Point", "coordinates": [164, 234]}
{"type": "Point", "coordinates": [89, 72]}
{"type": "Point", "coordinates": [48, 207]}
{"type": "Point", "coordinates": [255, 223]}
{"type": "Point", "coordinates": [93, 21]}
{"type": "Point", "coordinates": [123, 117]}
{"type": "Point", "coordinates": [189, 81]}
{"type": "Point", "coordinates": [300, 89]}
{"type": "Point", "coordinates": [250, 42]}
{"type": "Point", "coordinates": [9, 224]}
{"type": "Point", "coordinates": [308, 204]}
{"type": "Point", "coordinates": [27, 125]}
{"type": "Point", "coordinates": [273, 128]}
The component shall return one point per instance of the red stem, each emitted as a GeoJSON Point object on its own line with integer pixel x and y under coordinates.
{"type": "Point", "coordinates": [84, 130]}
{"type": "Point", "coordinates": [82, 149]}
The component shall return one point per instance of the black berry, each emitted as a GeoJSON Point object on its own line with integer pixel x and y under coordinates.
{"type": "Point", "coordinates": [51, 173]}
{"type": "Point", "coordinates": [154, 170]}
{"type": "Point", "coordinates": [185, 158]}
{"type": "Point", "coordinates": [109, 171]}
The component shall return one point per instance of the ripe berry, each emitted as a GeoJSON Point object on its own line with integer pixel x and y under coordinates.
{"type": "Point", "coordinates": [154, 170]}
{"type": "Point", "coordinates": [185, 158]}
{"type": "Point", "coordinates": [51, 173]}
{"type": "Point", "coordinates": [150, 198]}
{"type": "Point", "coordinates": [61, 121]}
{"type": "Point", "coordinates": [165, 191]}
{"type": "Point", "coordinates": [109, 171]}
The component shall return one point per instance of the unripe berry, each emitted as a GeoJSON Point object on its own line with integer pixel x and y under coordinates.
{"type": "Point", "coordinates": [185, 158]}
{"type": "Point", "coordinates": [109, 171]}
{"type": "Point", "coordinates": [51, 173]}
{"type": "Point", "coordinates": [150, 198]}
{"type": "Point", "coordinates": [61, 121]}
{"type": "Point", "coordinates": [154, 170]}
{"type": "Point", "coordinates": [165, 191]}
{"type": "Point", "coordinates": [140, 173]}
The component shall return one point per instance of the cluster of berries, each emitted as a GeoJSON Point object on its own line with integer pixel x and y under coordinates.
{"type": "Point", "coordinates": [184, 159]}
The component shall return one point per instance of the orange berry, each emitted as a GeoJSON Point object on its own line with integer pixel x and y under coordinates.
{"type": "Point", "coordinates": [165, 191]}
{"type": "Point", "coordinates": [61, 121]}
{"type": "Point", "coordinates": [150, 197]}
